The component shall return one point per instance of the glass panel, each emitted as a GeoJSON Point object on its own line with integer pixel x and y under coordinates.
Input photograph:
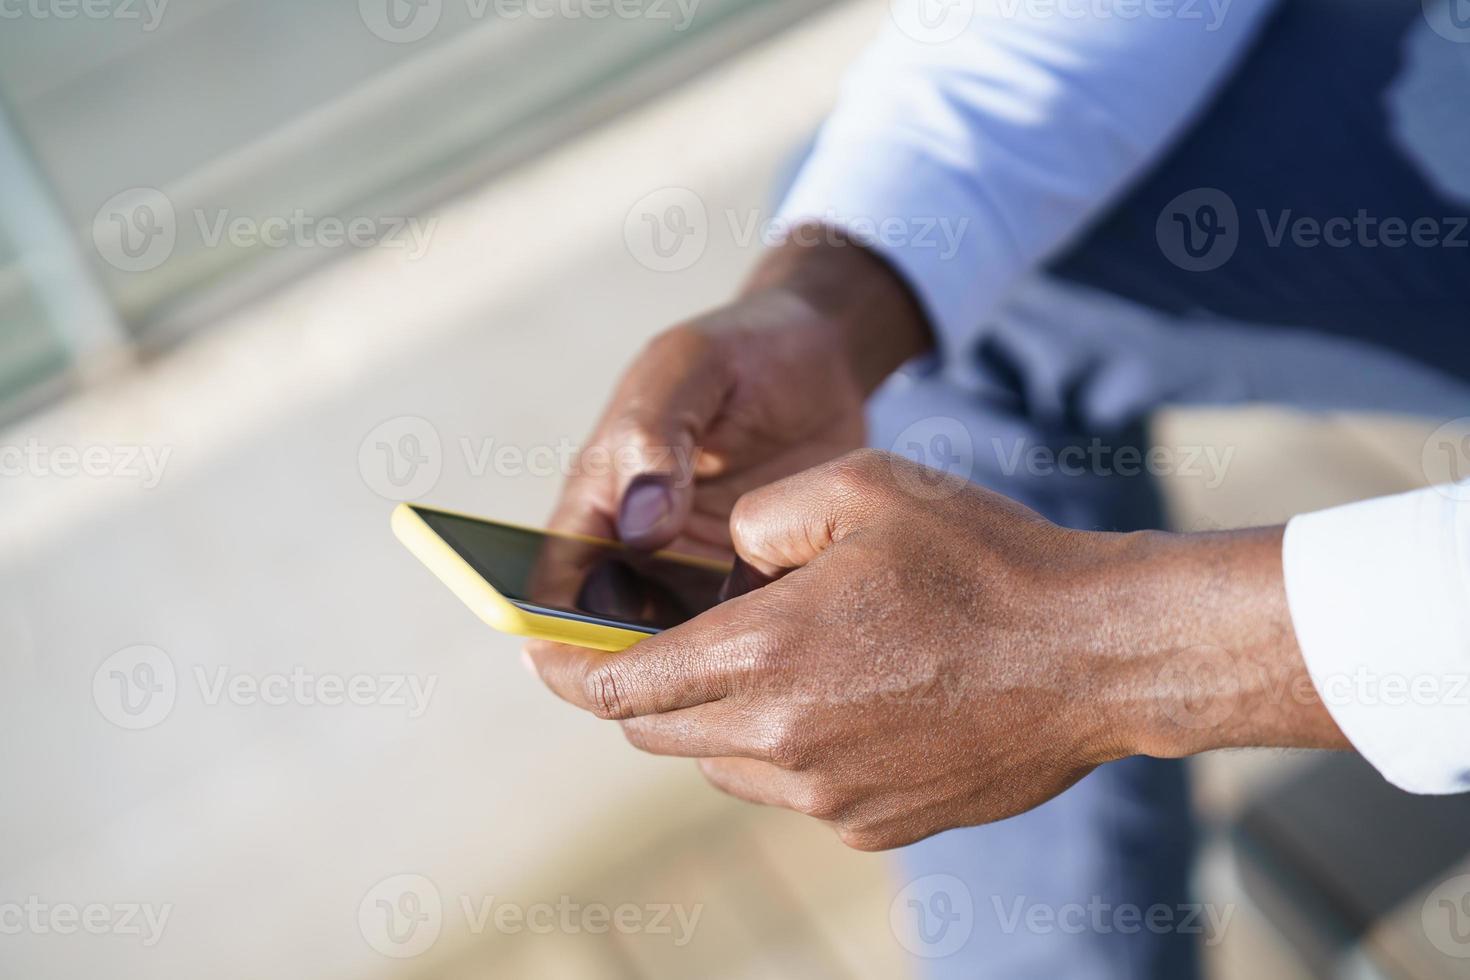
{"type": "Point", "coordinates": [190, 143]}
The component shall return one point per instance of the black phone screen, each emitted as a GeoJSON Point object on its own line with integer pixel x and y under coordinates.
{"type": "Point", "coordinates": [597, 581]}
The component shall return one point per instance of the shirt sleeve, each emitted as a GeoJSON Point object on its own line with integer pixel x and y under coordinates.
{"type": "Point", "coordinates": [969, 151]}
{"type": "Point", "coordinates": [1379, 593]}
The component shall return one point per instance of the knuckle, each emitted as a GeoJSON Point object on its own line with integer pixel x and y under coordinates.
{"type": "Point", "coordinates": [743, 518]}
{"type": "Point", "coordinates": [682, 338]}
{"type": "Point", "coordinates": [631, 430]}
{"type": "Point", "coordinates": [688, 343]}
{"type": "Point", "coordinates": [861, 838]}
{"type": "Point", "coordinates": [715, 774]}
{"type": "Point", "coordinates": [605, 694]}
{"type": "Point", "coordinates": [636, 735]}
{"type": "Point", "coordinates": [857, 472]}
{"type": "Point", "coordinates": [821, 803]}
{"type": "Point", "coordinates": [751, 666]}
{"type": "Point", "coordinates": [785, 748]}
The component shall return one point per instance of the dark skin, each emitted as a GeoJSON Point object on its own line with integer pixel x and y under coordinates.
{"type": "Point", "coordinates": [906, 663]}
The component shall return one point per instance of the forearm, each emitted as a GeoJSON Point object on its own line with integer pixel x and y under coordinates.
{"type": "Point", "coordinates": [1210, 658]}
{"type": "Point", "coordinates": [875, 321]}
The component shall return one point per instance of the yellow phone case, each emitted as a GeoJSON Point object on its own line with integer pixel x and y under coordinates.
{"type": "Point", "coordinates": [494, 608]}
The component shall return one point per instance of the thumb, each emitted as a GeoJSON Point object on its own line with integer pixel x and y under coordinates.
{"type": "Point", "coordinates": [785, 525]}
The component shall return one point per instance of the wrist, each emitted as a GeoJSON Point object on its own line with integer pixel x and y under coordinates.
{"type": "Point", "coordinates": [871, 315]}
{"type": "Point", "coordinates": [1207, 657]}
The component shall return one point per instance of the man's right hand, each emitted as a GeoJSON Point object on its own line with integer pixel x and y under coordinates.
{"type": "Point", "coordinates": [767, 386]}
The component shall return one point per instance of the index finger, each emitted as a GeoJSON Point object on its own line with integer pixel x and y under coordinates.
{"type": "Point", "coordinates": [676, 669]}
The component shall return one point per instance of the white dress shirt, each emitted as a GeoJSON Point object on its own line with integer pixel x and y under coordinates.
{"type": "Point", "coordinates": [1012, 128]}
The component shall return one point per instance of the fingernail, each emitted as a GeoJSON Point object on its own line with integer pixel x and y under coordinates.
{"type": "Point", "coordinates": [529, 664]}
{"type": "Point", "coordinates": [648, 502]}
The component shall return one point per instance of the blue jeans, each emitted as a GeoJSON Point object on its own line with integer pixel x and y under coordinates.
{"type": "Point", "coordinates": [1332, 116]}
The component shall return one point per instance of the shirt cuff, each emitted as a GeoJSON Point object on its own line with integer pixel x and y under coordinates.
{"type": "Point", "coordinates": [899, 201]}
{"type": "Point", "coordinates": [1378, 593]}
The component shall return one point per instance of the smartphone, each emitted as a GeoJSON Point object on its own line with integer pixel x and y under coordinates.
{"type": "Point", "coordinates": [563, 587]}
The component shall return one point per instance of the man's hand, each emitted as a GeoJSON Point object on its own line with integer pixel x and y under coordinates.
{"type": "Point", "coordinates": [767, 386]}
{"type": "Point", "coordinates": [923, 664]}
